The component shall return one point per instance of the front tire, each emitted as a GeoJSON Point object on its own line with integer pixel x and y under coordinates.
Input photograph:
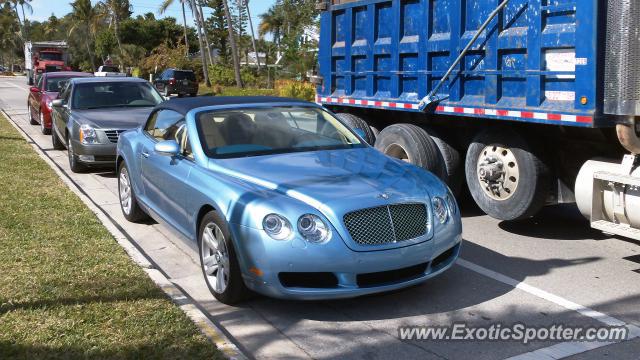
{"type": "Point", "coordinates": [55, 140]}
{"type": "Point", "coordinates": [74, 163]}
{"type": "Point", "coordinates": [43, 130]}
{"type": "Point", "coordinates": [128, 202]}
{"type": "Point", "coordinates": [506, 178]}
{"type": "Point", "coordinates": [218, 260]}
{"type": "Point", "coordinates": [32, 121]}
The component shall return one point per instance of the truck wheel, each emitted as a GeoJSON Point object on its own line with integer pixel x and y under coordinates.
{"type": "Point", "coordinates": [356, 122]}
{"type": "Point", "coordinates": [452, 162]}
{"type": "Point", "coordinates": [412, 144]}
{"type": "Point", "coordinates": [505, 177]}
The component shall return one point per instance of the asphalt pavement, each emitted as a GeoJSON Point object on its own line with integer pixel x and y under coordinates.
{"type": "Point", "coordinates": [549, 270]}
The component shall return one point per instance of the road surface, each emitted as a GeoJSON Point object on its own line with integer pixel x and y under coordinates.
{"type": "Point", "coordinates": [552, 269]}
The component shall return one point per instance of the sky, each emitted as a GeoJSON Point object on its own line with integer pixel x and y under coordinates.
{"type": "Point", "coordinates": [42, 9]}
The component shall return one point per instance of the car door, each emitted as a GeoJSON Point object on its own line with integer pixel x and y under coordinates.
{"type": "Point", "coordinates": [164, 178]}
{"type": "Point", "coordinates": [60, 115]}
{"type": "Point", "coordinates": [35, 98]}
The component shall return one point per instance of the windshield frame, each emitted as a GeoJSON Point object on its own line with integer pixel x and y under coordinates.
{"type": "Point", "coordinates": [200, 144]}
{"type": "Point", "coordinates": [77, 85]}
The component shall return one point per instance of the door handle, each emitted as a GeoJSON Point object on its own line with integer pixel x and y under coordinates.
{"type": "Point", "coordinates": [145, 153]}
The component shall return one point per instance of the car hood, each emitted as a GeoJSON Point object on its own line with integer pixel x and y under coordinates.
{"type": "Point", "coordinates": [333, 178]}
{"type": "Point", "coordinates": [113, 118]}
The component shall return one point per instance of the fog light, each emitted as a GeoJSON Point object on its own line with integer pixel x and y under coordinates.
{"type": "Point", "coordinates": [86, 158]}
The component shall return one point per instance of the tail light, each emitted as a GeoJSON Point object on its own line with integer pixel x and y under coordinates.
{"type": "Point", "coordinates": [172, 81]}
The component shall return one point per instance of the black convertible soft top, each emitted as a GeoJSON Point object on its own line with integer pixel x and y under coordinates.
{"type": "Point", "coordinates": [184, 105]}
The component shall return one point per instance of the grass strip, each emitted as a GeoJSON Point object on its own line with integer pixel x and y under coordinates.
{"type": "Point", "coordinates": [67, 289]}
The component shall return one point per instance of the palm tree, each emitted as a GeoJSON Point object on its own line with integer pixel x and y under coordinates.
{"type": "Point", "coordinates": [88, 17]}
{"type": "Point", "coordinates": [165, 5]}
{"type": "Point", "coordinates": [194, 11]}
{"type": "Point", "coordinates": [253, 35]}
{"type": "Point", "coordinates": [271, 23]}
{"type": "Point", "coordinates": [116, 10]}
{"type": "Point", "coordinates": [204, 31]}
{"type": "Point", "coordinates": [232, 41]}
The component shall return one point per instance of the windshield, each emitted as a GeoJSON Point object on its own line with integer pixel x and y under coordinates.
{"type": "Point", "coordinates": [256, 131]}
{"type": "Point", "coordinates": [114, 94]}
{"type": "Point", "coordinates": [50, 56]}
{"type": "Point", "coordinates": [54, 84]}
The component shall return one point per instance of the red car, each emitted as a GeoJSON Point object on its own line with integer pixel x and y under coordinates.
{"type": "Point", "coordinates": [41, 95]}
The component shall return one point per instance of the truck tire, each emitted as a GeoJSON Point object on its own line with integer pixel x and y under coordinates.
{"type": "Point", "coordinates": [506, 178]}
{"type": "Point", "coordinates": [413, 144]}
{"type": "Point", "coordinates": [452, 162]}
{"type": "Point", "coordinates": [355, 122]}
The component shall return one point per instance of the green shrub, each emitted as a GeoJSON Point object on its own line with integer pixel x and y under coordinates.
{"type": "Point", "coordinates": [297, 89]}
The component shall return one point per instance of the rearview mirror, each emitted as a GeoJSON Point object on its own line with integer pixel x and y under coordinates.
{"type": "Point", "coordinates": [57, 103]}
{"type": "Point", "coordinates": [167, 148]}
{"type": "Point", "coordinates": [34, 89]}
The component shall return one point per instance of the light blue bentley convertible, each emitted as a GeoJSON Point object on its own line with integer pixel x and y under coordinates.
{"type": "Point", "coordinates": [285, 200]}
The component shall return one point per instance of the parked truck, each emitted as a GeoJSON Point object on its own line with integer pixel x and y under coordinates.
{"type": "Point", "coordinates": [44, 56]}
{"type": "Point", "coordinates": [512, 97]}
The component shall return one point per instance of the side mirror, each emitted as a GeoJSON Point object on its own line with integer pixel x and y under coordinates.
{"type": "Point", "coordinates": [34, 90]}
{"type": "Point", "coordinates": [57, 103]}
{"type": "Point", "coordinates": [167, 148]}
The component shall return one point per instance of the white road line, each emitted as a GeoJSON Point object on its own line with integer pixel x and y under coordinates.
{"type": "Point", "coordinates": [560, 350]}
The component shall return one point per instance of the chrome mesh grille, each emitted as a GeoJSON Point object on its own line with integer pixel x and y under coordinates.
{"type": "Point", "coordinates": [622, 63]}
{"type": "Point", "coordinates": [387, 224]}
{"type": "Point", "coordinates": [113, 135]}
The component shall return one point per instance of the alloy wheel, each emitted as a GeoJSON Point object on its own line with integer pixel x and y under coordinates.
{"type": "Point", "coordinates": [124, 186]}
{"type": "Point", "coordinates": [215, 258]}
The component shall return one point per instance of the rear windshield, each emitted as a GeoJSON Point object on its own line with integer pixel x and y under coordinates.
{"type": "Point", "coordinates": [110, 69]}
{"type": "Point", "coordinates": [114, 94]}
{"type": "Point", "coordinates": [181, 75]}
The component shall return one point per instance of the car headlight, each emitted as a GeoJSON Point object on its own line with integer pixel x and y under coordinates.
{"type": "Point", "coordinates": [277, 227]}
{"type": "Point", "coordinates": [48, 104]}
{"type": "Point", "coordinates": [313, 229]}
{"type": "Point", "coordinates": [440, 209]}
{"type": "Point", "coordinates": [88, 135]}
{"type": "Point", "coordinates": [451, 202]}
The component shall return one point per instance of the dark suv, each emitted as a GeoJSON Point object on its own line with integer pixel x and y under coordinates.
{"type": "Point", "coordinates": [174, 81]}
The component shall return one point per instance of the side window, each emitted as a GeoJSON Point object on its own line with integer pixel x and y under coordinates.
{"type": "Point", "coordinates": [40, 81]}
{"type": "Point", "coordinates": [65, 93]}
{"type": "Point", "coordinates": [183, 139]}
{"type": "Point", "coordinates": [164, 124]}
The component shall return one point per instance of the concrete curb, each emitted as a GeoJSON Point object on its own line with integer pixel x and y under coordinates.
{"type": "Point", "coordinates": [185, 303]}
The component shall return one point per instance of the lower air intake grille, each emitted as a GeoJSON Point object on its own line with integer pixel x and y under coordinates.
{"type": "Point", "coordinates": [387, 224]}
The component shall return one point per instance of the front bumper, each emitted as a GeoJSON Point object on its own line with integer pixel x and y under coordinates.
{"type": "Point", "coordinates": [95, 154]}
{"type": "Point", "coordinates": [265, 263]}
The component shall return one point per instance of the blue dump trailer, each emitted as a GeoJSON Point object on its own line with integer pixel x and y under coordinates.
{"type": "Point", "coordinates": [510, 97]}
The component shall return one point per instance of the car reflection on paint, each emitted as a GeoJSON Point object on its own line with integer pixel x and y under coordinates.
{"type": "Point", "coordinates": [285, 200]}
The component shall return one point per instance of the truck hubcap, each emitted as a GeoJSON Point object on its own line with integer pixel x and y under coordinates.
{"type": "Point", "coordinates": [398, 152]}
{"type": "Point", "coordinates": [498, 172]}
